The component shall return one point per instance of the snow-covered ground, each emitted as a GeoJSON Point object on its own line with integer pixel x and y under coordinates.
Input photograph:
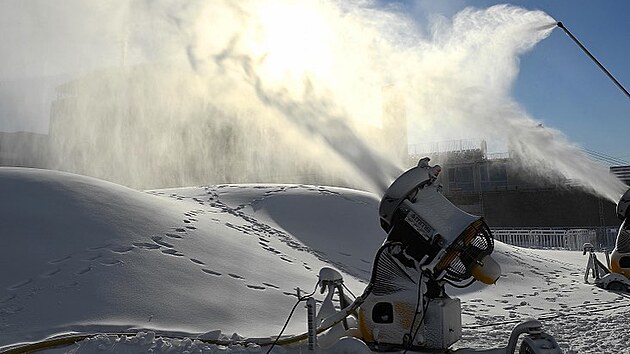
{"type": "Point", "coordinates": [84, 255]}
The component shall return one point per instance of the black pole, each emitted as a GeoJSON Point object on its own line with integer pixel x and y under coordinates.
{"type": "Point", "coordinates": [561, 25]}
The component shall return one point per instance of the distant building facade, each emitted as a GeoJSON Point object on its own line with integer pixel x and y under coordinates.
{"type": "Point", "coordinates": [508, 196]}
{"type": "Point", "coordinates": [23, 149]}
{"type": "Point", "coordinates": [622, 172]}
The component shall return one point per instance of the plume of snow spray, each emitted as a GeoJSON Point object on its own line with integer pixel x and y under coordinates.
{"type": "Point", "coordinates": [281, 90]}
{"type": "Point", "coordinates": [482, 47]}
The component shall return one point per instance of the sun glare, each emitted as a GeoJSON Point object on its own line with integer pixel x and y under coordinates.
{"type": "Point", "coordinates": [293, 41]}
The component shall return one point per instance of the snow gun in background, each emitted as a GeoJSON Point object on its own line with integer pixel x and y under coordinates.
{"type": "Point", "coordinates": [615, 275]}
{"type": "Point", "coordinates": [430, 243]}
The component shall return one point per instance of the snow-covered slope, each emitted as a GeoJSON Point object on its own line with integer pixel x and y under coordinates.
{"type": "Point", "coordinates": [80, 254]}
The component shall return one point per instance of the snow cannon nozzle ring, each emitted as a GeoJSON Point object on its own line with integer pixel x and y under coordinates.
{"type": "Point", "coordinates": [559, 24]}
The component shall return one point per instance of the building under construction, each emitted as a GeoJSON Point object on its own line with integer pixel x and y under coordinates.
{"type": "Point", "coordinates": [496, 187]}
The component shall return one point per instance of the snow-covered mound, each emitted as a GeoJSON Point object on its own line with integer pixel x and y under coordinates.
{"type": "Point", "coordinates": [79, 254]}
{"type": "Point", "coordinates": [84, 255]}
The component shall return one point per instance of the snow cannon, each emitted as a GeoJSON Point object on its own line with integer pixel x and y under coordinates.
{"type": "Point", "coordinates": [616, 276]}
{"type": "Point", "coordinates": [620, 256]}
{"type": "Point", "coordinates": [430, 243]}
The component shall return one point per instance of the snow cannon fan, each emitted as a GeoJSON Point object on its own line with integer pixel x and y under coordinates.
{"type": "Point", "coordinates": [430, 242]}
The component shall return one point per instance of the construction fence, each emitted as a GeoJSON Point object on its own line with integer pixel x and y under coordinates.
{"type": "Point", "coordinates": [557, 238]}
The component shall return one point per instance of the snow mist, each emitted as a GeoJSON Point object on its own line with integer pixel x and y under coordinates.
{"type": "Point", "coordinates": [300, 91]}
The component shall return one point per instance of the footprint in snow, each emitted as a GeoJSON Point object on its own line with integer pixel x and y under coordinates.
{"type": "Point", "coordinates": [84, 270]}
{"type": "Point", "coordinates": [191, 227]}
{"type": "Point", "coordinates": [256, 287]}
{"type": "Point", "coordinates": [92, 257]}
{"type": "Point", "coordinates": [211, 272]}
{"type": "Point", "coordinates": [235, 276]}
{"type": "Point", "coordinates": [121, 249]}
{"type": "Point", "coordinates": [7, 298]}
{"type": "Point", "coordinates": [172, 235]}
{"type": "Point", "coordinates": [158, 240]}
{"type": "Point", "coordinates": [59, 260]}
{"type": "Point", "coordinates": [66, 285]}
{"type": "Point", "coordinates": [20, 284]}
{"type": "Point", "coordinates": [51, 272]}
{"type": "Point", "coordinates": [110, 262]}
{"type": "Point", "coordinates": [173, 252]}
{"type": "Point", "coordinates": [271, 285]}
{"type": "Point", "coordinates": [272, 250]}
{"type": "Point", "coordinates": [146, 245]}
{"type": "Point", "coordinates": [98, 247]}
{"type": "Point", "coordinates": [197, 261]}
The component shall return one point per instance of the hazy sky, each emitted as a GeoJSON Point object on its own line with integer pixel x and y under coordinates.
{"type": "Point", "coordinates": [557, 83]}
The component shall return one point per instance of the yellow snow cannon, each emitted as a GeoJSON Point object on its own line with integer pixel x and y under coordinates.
{"type": "Point", "coordinates": [431, 243]}
{"type": "Point", "coordinates": [616, 276]}
{"type": "Point", "coordinates": [620, 257]}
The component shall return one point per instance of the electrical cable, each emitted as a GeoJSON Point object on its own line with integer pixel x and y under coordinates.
{"type": "Point", "coordinates": [424, 312]}
{"type": "Point", "coordinates": [605, 158]}
{"type": "Point", "coordinates": [415, 314]}
{"type": "Point", "coordinates": [300, 299]}
{"type": "Point", "coordinates": [349, 291]}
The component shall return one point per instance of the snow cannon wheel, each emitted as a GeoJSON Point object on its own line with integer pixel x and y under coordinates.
{"type": "Point", "coordinates": [616, 286]}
